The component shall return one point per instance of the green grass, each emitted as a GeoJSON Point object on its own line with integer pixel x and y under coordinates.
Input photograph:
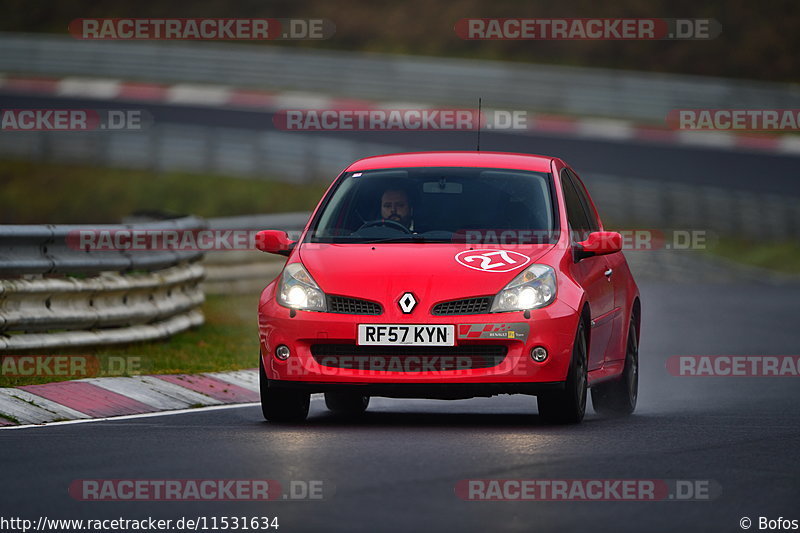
{"type": "Point", "coordinates": [10, 418]}
{"type": "Point", "coordinates": [227, 341]}
{"type": "Point", "coordinates": [780, 256]}
{"type": "Point", "coordinates": [44, 193]}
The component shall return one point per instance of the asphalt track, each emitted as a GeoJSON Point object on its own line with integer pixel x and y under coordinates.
{"type": "Point", "coordinates": [396, 469]}
{"type": "Point", "coordinates": [701, 165]}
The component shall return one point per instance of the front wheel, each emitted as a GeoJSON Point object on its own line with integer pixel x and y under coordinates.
{"type": "Point", "coordinates": [618, 397]}
{"type": "Point", "coordinates": [568, 406]}
{"type": "Point", "coordinates": [282, 405]}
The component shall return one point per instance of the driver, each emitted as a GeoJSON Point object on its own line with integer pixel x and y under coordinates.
{"type": "Point", "coordinates": [395, 206]}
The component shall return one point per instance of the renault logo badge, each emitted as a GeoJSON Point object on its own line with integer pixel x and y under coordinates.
{"type": "Point", "coordinates": [407, 302]}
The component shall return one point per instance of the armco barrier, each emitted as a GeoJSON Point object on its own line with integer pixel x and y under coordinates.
{"type": "Point", "coordinates": [43, 249]}
{"type": "Point", "coordinates": [387, 77]}
{"type": "Point", "coordinates": [53, 295]}
{"type": "Point", "coordinates": [247, 271]}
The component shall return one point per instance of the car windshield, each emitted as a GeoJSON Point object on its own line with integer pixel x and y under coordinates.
{"type": "Point", "coordinates": [438, 204]}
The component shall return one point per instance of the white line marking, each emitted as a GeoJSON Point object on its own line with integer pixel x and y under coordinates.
{"type": "Point", "coordinates": [606, 128]}
{"type": "Point", "coordinates": [721, 139]}
{"type": "Point", "coordinates": [302, 100]}
{"type": "Point", "coordinates": [101, 89]}
{"type": "Point", "coordinates": [318, 396]}
{"type": "Point", "coordinates": [211, 95]}
{"type": "Point", "coordinates": [789, 144]}
{"type": "Point", "coordinates": [140, 415]}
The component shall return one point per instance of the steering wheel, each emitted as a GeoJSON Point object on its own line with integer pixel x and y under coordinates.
{"type": "Point", "coordinates": [384, 222]}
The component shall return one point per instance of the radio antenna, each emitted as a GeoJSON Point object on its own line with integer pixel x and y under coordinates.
{"type": "Point", "coordinates": [478, 127]}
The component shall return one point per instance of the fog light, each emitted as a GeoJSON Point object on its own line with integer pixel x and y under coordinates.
{"type": "Point", "coordinates": [538, 354]}
{"type": "Point", "coordinates": [282, 352]}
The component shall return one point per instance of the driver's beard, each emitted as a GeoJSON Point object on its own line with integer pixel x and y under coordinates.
{"type": "Point", "coordinates": [401, 220]}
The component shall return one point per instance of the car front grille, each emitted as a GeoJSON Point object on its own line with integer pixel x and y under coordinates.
{"type": "Point", "coordinates": [409, 358]}
{"type": "Point", "coordinates": [467, 306]}
{"type": "Point", "coordinates": [353, 306]}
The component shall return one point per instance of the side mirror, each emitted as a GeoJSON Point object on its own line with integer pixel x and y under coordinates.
{"type": "Point", "coordinates": [274, 242]}
{"type": "Point", "coordinates": [599, 243]}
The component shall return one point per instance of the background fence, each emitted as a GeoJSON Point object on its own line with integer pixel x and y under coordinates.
{"type": "Point", "coordinates": [569, 90]}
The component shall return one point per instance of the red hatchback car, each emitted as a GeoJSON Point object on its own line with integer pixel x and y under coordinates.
{"type": "Point", "coordinates": [451, 275]}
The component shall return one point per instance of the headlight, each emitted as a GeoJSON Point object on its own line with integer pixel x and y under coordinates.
{"type": "Point", "coordinates": [298, 290]}
{"type": "Point", "coordinates": [535, 287]}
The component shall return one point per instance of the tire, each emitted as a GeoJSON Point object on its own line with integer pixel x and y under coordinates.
{"type": "Point", "coordinates": [282, 405]}
{"type": "Point", "coordinates": [618, 397]}
{"type": "Point", "coordinates": [568, 406]}
{"type": "Point", "coordinates": [346, 403]}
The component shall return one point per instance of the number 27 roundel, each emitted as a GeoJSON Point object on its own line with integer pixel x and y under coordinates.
{"type": "Point", "coordinates": [492, 260]}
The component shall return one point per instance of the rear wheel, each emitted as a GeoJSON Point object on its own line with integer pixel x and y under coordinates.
{"type": "Point", "coordinates": [618, 397]}
{"type": "Point", "coordinates": [282, 405]}
{"type": "Point", "coordinates": [346, 403]}
{"type": "Point", "coordinates": [568, 406]}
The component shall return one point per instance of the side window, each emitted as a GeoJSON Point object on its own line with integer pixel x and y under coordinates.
{"type": "Point", "coordinates": [576, 215]}
{"type": "Point", "coordinates": [594, 224]}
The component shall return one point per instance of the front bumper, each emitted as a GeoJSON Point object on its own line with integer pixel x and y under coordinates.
{"type": "Point", "coordinates": [552, 327]}
{"type": "Point", "coordinates": [438, 391]}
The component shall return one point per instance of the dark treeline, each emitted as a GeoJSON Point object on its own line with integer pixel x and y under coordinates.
{"type": "Point", "coordinates": [760, 40]}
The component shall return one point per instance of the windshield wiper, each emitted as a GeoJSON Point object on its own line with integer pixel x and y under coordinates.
{"type": "Point", "coordinates": [410, 238]}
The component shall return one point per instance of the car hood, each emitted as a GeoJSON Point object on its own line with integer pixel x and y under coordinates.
{"type": "Point", "coordinates": [434, 272]}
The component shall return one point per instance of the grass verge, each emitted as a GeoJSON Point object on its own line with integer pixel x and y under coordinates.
{"type": "Point", "coordinates": [781, 257]}
{"type": "Point", "coordinates": [45, 193]}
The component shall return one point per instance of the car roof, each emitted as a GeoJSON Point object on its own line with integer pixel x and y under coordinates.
{"type": "Point", "coordinates": [536, 163]}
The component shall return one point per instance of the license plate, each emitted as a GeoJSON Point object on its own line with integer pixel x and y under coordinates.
{"type": "Point", "coordinates": [406, 334]}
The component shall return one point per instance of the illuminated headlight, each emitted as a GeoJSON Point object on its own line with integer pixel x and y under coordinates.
{"type": "Point", "coordinates": [534, 287]}
{"type": "Point", "coordinates": [298, 290]}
